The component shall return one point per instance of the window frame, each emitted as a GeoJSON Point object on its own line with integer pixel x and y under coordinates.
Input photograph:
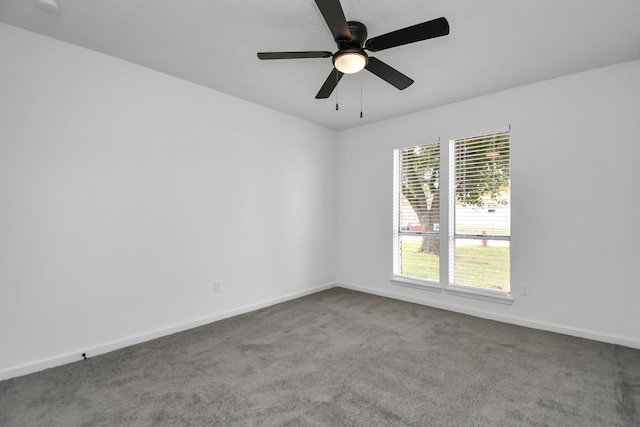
{"type": "Point", "coordinates": [397, 278]}
{"type": "Point", "coordinates": [446, 232]}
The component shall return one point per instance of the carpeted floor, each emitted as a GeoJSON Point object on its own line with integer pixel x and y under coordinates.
{"type": "Point", "coordinates": [340, 358]}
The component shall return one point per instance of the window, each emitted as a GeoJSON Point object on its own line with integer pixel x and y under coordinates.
{"type": "Point", "coordinates": [418, 212]}
{"type": "Point", "coordinates": [481, 217]}
{"type": "Point", "coordinates": [471, 251]}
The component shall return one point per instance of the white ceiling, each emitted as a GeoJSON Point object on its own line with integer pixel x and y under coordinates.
{"type": "Point", "coordinates": [493, 45]}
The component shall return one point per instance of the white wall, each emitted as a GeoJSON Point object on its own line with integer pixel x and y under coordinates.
{"type": "Point", "coordinates": [575, 204]}
{"type": "Point", "coordinates": [124, 193]}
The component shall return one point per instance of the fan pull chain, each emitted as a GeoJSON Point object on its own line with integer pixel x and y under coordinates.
{"type": "Point", "coordinates": [337, 80]}
{"type": "Point", "coordinates": [361, 85]}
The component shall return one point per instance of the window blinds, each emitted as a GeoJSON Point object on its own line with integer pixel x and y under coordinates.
{"type": "Point", "coordinates": [481, 199]}
{"type": "Point", "coordinates": [418, 204]}
{"type": "Point", "coordinates": [420, 189]}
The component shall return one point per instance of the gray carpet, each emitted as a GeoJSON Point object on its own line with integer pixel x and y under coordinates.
{"type": "Point", "coordinates": [340, 358]}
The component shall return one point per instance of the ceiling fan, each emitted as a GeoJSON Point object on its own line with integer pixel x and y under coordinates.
{"type": "Point", "coordinates": [351, 38]}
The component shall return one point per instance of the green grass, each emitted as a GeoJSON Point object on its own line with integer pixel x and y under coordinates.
{"type": "Point", "coordinates": [414, 264]}
{"type": "Point", "coordinates": [482, 266]}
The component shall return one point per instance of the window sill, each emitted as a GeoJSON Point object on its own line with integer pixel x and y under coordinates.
{"type": "Point", "coordinates": [490, 295]}
{"type": "Point", "coordinates": [412, 282]}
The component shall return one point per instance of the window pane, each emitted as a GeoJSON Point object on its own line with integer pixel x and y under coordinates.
{"type": "Point", "coordinates": [482, 263]}
{"type": "Point", "coordinates": [419, 188]}
{"type": "Point", "coordinates": [482, 214]}
{"type": "Point", "coordinates": [417, 262]}
{"type": "Point", "coordinates": [418, 211]}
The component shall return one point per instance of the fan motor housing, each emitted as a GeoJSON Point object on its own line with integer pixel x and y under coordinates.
{"type": "Point", "coordinates": [358, 36]}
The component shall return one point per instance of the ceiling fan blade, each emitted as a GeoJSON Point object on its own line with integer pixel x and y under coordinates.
{"type": "Point", "coordinates": [294, 55]}
{"type": "Point", "coordinates": [329, 84]}
{"type": "Point", "coordinates": [388, 74]}
{"type": "Point", "coordinates": [427, 30]}
{"type": "Point", "coordinates": [334, 16]}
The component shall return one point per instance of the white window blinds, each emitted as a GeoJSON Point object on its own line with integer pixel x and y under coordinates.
{"type": "Point", "coordinates": [481, 214]}
{"type": "Point", "coordinates": [418, 204]}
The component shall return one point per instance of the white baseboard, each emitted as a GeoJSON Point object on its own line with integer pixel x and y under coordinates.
{"type": "Point", "coordinates": [529, 323]}
{"type": "Point", "coordinates": [75, 356]}
{"type": "Point", "coordinates": [29, 368]}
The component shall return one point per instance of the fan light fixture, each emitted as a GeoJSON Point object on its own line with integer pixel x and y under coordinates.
{"type": "Point", "coordinates": [350, 62]}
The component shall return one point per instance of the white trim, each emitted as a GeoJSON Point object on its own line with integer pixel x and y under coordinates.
{"type": "Point", "coordinates": [396, 213]}
{"type": "Point", "coordinates": [492, 295]}
{"type": "Point", "coordinates": [29, 368]}
{"type": "Point", "coordinates": [412, 282]}
{"type": "Point", "coordinates": [529, 323]}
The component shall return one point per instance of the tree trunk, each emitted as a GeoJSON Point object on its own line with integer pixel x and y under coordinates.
{"type": "Point", "coordinates": [428, 220]}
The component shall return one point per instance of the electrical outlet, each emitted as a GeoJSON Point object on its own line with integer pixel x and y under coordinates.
{"type": "Point", "coordinates": [524, 290]}
{"type": "Point", "coordinates": [217, 286]}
